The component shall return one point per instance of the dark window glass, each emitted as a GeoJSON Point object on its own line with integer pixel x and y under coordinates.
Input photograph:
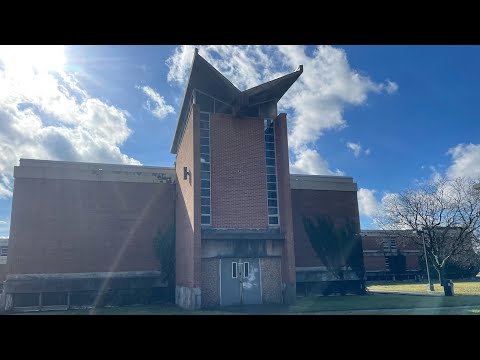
{"type": "Point", "coordinates": [273, 220]}
{"type": "Point", "coordinates": [204, 141]}
{"type": "Point", "coordinates": [272, 203]}
{"type": "Point", "coordinates": [205, 192]}
{"type": "Point", "coordinates": [272, 194]}
{"type": "Point", "coordinates": [206, 201]}
{"type": "Point", "coordinates": [222, 108]}
{"type": "Point", "coordinates": [204, 133]}
{"type": "Point", "coordinates": [204, 117]}
{"type": "Point", "coordinates": [269, 131]}
{"type": "Point", "coordinates": [205, 167]}
{"type": "Point", "coordinates": [205, 210]}
{"type": "Point", "coordinates": [270, 154]}
{"type": "Point", "coordinates": [204, 158]}
{"type": "Point", "coordinates": [271, 178]}
{"type": "Point", "coordinates": [272, 211]}
{"type": "Point", "coordinates": [204, 149]}
{"type": "Point", "coordinates": [205, 102]}
{"type": "Point", "coordinates": [234, 270]}
{"type": "Point", "coordinates": [269, 138]}
{"type": "Point", "coordinates": [272, 186]}
{"type": "Point", "coordinates": [246, 269]}
{"type": "Point", "coordinates": [4, 251]}
{"type": "Point", "coordinates": [205, 184]}
{"type": "Point", "coordinates": [205, 175]}
{"type": "Point", "coordinates": [204, 125]}
{"type": "Point", "coordinates": [270, 170]}
{"type": "Point", "coordinates": [205, 220]}
{"type": "Point", "coordinates": [270, 146]}
{"type": "Point", "coordinates": [270, 162]}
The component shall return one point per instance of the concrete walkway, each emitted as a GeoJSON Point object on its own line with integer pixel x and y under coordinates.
{"type": "Point", "coordinates": [406, 311]}
{"type": "Point", "coordinates": [403, 293]}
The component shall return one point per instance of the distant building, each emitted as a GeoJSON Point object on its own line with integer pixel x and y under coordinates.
{"type": "Point", "coordinates": [3, 258]}
{"type": "Point", "coordinates": [391, 256]}
{"type": "Point", "coordinates": [83, 230]}
{"type": "Point", "coordinates": [476, 187]}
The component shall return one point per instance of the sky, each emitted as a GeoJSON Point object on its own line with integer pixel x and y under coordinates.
{"type": "Point", "coordinates": [389, 116]}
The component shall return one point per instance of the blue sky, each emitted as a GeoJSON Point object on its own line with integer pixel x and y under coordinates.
{"type": "Point", "coordinates": [390, 116]}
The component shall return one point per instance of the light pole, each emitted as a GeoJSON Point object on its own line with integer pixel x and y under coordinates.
{"type": "Point", "coordinates": [430, 285]}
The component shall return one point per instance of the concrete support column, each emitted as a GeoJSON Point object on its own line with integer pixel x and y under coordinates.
{"type": "Point", "coordinates": [8, 302]}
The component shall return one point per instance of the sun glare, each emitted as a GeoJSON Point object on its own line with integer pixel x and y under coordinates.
{"type": "Point", "coordinates": [41, 58]}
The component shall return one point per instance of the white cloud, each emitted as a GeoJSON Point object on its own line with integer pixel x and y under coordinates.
{"type": "Point", "coordinates": [391, 87]}
{"type": "Point", "coordinates": [160, 108]}
{"type": "Point", "coordinates": [4, 229]}
{"type": "Point", "coordinates": [356, 148]}
{"type": "Point", "coordinates": [367, 204]}
{"type": "Point", "coordinates": [310, 162]}
{"type": "Point", "coordinates": [315, 102]}
{"type": "Point", "coordinates": [45, 114]}
{"type": "Point", "coordinates": [367, 152]}
{"type": "Point", "coordinates": [466, 161]}
{"type": "Point", "coordinates": [436, 176]}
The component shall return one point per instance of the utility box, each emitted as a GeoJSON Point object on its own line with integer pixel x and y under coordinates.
{"type": "Point", "coordinates": [448, 288]}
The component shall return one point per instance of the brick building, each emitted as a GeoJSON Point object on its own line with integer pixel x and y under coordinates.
{"type": "Point", "coordinates": [3, 259]}
{"type": "Point", "coordinates": [391, 255]}
{"type": "Point", "coordinates": [82, 229]}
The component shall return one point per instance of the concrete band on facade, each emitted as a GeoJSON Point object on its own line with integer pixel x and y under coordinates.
{"type": "Point", "coordinates": [63, 170]}
{"type": "Point", "coordinates": [321, 182]}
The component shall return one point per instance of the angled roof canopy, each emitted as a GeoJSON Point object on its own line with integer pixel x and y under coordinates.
{"type": "Point", "coordinates": [205, 78]}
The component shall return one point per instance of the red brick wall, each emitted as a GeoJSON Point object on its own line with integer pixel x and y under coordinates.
{"type": "Point", "coordinates": [337, 204]}
{"type": "Point", "coordinates": [239, 190]}
{"type": "Point", "coordinates": [413, 262]}
{"type": "Point", "coordinates": [372, 243]}
{"type": "Point", "coordinates": [374, 263]}
{"type": "Point", "coordinates": [68, 226]}
{"type": "Point", "coordinates": [188, 246]}
{"type": "Point", "coordinates": [285, 198]}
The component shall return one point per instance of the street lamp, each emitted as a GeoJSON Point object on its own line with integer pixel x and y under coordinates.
{"type": "Point", "coordinates": [430, 284]}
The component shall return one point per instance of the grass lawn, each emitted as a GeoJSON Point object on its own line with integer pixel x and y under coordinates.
{"type": "Point", "coordinates": [368, 304]}
{"type": "Point", "coordinates": [462, 287]}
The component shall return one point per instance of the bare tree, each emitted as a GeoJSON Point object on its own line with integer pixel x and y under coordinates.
{"type": "Point", "coordinates": [448, 213]}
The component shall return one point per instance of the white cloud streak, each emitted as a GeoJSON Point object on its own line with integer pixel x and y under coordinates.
{"type": "Point", "coordinates": [160, 108]}
{"type": "Point", "coordinates": [356, 148]}
{"type": "Point", "coordinates": [47, 115]}
{"type": "Point", "coordinates": [315, 103]}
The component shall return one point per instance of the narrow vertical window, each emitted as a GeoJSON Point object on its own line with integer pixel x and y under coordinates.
{"type": "Point", "coordinates": [234, 270]}
{"type": "Point", "coordinates": [246, 269]}
{"type": "Point", "coordinates": [205, 170]}
{"type": "Point", "coordinates": [271, 163]}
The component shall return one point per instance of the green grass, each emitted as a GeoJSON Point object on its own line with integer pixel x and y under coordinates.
{"type": "Point", "coordinates": [462, 287]}
{"type": "Point", "coordinates": [380, 301]}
